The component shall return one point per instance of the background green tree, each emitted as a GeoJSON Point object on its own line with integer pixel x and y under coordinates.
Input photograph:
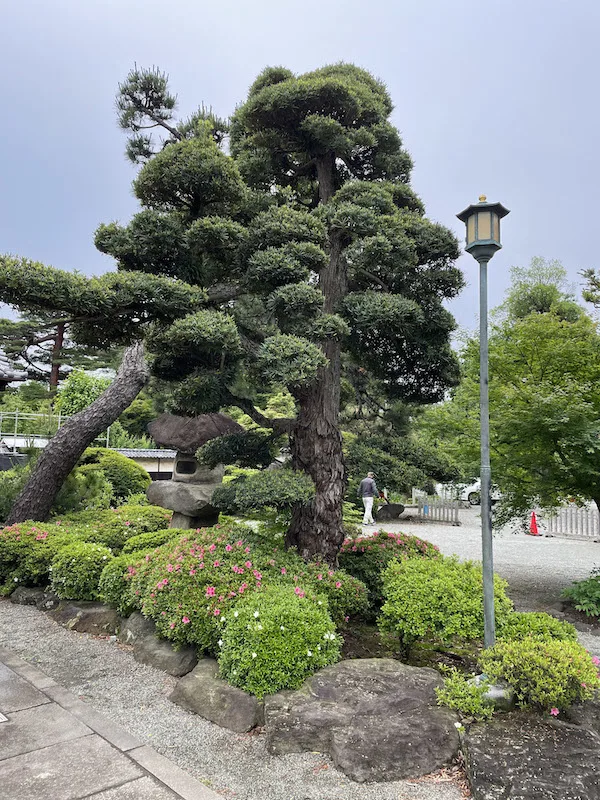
{"type": "Point", "coordinates": [544, 400]}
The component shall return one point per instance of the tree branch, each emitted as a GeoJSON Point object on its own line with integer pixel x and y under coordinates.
{"type": "Point", "coordinates": [278, 425]}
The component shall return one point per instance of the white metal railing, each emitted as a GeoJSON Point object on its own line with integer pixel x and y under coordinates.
{"type": "Point", "coordinates": [436, 509]}
{"type": "Point", "coordinates": [29, 429]}
{"type": "Point", "coordinates": [576, 521]}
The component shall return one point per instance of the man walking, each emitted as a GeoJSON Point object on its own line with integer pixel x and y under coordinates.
{"type": "Point", "coordinates": [368, 491]}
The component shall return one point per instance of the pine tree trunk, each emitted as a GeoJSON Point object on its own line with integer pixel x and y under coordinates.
{"type": "Point", "coordinates": [64, 450]}
{"type": "Point", "coordinates": [316, 441]}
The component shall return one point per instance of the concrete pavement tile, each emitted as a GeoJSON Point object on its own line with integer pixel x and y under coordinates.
{"type": "Point", "coordinates": [115, 734]}
{"type": "Point", "coordinates": [141, 789]}
{"type": "Point", "coordinates": [66, 771]}
{"type": "Point", "coordinates": [16, 693]}
{"type": "Point", "coordinates": [170, 774]}
{"type": "Point", "coordinates": [37, 678]}
{"type": "Point", "coordinates": [38, 727]}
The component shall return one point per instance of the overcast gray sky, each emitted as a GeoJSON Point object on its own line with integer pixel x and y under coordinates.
{"type": "Point", "coordinates": [499, 98]}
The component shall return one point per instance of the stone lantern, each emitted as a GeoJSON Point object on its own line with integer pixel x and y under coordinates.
{"type": "Point", "coordinates": [189, 492]}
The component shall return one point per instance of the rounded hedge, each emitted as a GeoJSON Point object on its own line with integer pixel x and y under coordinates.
{"type": "Point", "coordinates": [125, 476]}
{"type": "Point", "coordinates": [114, 585]}
{"type": "Point", "coordinates": [440, 600]}
{"type": "Point", "coordinates": [536, 624]}
{"type": "Point", "coordinates": [544, 674]}
{"type": "Point", "coordinates": [76, 570]}
{"type": "Point", "coordinates": [152, 539]}
{"type": "Point", "coordinates": [27, 550]}
{"type": "Point", "coordinates": [275, 639]}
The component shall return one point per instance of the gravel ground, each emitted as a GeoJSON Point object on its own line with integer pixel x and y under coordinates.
{"type": "Point", "coordinates": [237, 766]}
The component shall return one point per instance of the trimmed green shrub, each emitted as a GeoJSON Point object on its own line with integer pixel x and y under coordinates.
{"type": "Point", "coordinates": [113, 527]}
{"type": "Point", "coordinates": [152, 539]}
{"type": "Point", "coordinates": [27, 550]}
{"type": "Point", "coordinates": [125, 476]}
{"type": "Point", "coordinates": [346, 595]}
{"type": "Point", "coordinates": [544, 674]}
{"type": "Point", "coordinates": [461, 693]}
{"type": "Point", "coordinates": [585, 595]}
{"type": "Point", "coordinates": [535, 624]}
{"type": "Point", "coordinates": [438, 599]}
{"type": "Point", "coordinates": [275, 639]}
{"type": "Point", "coordinates": [366, 557]}
{"type": "Point", "coordinates": [86, 488]}
{"type": "Point", "coordinates": [278, 488]}
{"type": "Point", "coordinates": [113, 586]}
{"type": "Point", "coordinates": [76, 570]}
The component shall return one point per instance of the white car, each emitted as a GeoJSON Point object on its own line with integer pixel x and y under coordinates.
{"type": "Point", "coordinates": [468, 492]}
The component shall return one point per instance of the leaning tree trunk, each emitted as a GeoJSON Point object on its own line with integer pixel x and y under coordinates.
{"type": "Point", "coordinates": [316, 442]}
{"type": "Point", "coordinates": [64, 450]}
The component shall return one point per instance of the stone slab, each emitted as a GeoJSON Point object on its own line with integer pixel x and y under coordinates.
{"type": "Point", "coordinates": [17, 694]}
{"type": "Point", "coordinates": [204, 693]}
{"type": "Point", "coordinates": [65, 771]}
{"type": "Point", "coordinates": [521, 756]}
{"type": "Point", "coordinates": [135, 627]}
{"type": "Point", "coordinates": [86, 616]}
{"type": "Point", "coordinates": [161, 654]}
{"type": "Point", "coordinates": [172, 776]}
{"type": "Point", "coordinates": [140, 789]}
{"type": "Point", "coordinates": [187, 434]}
{"type": "Point", "coordinates": [109, 730]}
{"type": "Point", "coordinates": [37, 727]}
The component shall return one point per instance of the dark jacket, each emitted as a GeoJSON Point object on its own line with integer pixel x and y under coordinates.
{"type": "Point", "coordinates": [368, 488]}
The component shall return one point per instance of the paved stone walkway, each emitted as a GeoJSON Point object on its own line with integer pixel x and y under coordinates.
{"type": "Point", "coordinates": [55, 747]}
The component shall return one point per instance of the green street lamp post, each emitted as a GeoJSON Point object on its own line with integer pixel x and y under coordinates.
{"type": "Point", "coordinates": [483, 240]}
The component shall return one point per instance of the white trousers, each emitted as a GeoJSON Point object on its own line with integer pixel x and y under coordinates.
{"type": "Point", "coordinates": [368, 517]}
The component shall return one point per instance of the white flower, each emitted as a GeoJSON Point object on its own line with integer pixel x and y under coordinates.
{"type": "Point", "coordinates": [259, 627]}
{"type": "Point", "coordinates": [458, 725]}
{"type": "Point", "coordinates": [281, 628]}
{"type": "Point", "coordinates": [318, 647]}
{"type": "Point", "coordinates": [256, 614]}
{"type": "Point", "coordinates": [16, 580]}
{"type": "Point", "coordinates": [236, 614]}
{"type": "Point", "coordinates": [220, 642]}
{"type": "Point", "coordinates": [104, 558]}
{"type": "Point", "coordinates": [327, 636]}
{"type": "Point", "coordinates": [319, 603]}
{"type": "Point", "coordinates": [253, 655]}
{"type": "Point", "coordinates": [309, 652]}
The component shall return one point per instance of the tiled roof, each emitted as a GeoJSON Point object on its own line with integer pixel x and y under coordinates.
{"type": "Point", "coordinates": [143, 453]}
{"type": "Point", "coordinates": [8, 372]}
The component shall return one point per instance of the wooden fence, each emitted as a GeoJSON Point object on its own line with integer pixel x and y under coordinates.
{"type": "Point", "coordinates": [436, 509]}
{"type": "Point", "coordinates": [576, 521]}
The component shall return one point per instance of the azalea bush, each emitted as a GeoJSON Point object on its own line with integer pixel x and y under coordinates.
{"type": "Point", "coordinates": [275, 639]}
{"type": "Point", "coordinates": [76, 570]}
{"type": "Point", "coordinates": [440, 600]}
{"type": "Point", "coordinates": [547, 675]}
{"type": "Point", "coordinates": [189, 586]}
{"type": "Point", "coordinates": [366, 557]}
{"type": "Point", "coordinates": [27, 550]}
{"type": "Point", "coordinates": [534, 624]}
{"type": "Point", "coordinates": [113, 527]}
{"type": "Point", "coordinates": [114, 585]}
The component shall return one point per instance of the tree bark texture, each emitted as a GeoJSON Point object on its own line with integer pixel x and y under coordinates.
{"type": "Point", "coordinates": [56, 353]}
{"type": "Point", "coordinates": [316, 442]}
{"type": "Point", "coordinates": [64, 450]}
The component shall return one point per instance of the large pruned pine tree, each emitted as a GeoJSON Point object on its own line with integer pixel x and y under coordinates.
{"type": "Point", "coordinates": [317, 261]}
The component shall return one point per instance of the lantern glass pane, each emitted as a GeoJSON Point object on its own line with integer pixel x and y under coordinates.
{"type": "Point", "coordinates": [484, 225]}
{"type": "Point", "coordinates": [496, 227]}
{"type": "Point", "coordinates": [471, 229]}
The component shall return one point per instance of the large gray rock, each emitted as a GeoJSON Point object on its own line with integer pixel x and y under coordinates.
{"type": "Point", "coordinates": [190, 499]}
{"type": "Point", "coordinates": [86, 616]}
{"type": "Point", "coordinates": [519, 756]}
{"type": "Point", "coordinates": [204, 693]}
{"type": "Point", "coordinates": [27, 596]}
{"type": "Point", "coordinates": [187, 434]}
{"type": "Point", "coordinates": [136, 627]}
{"type": "Point", "coordinates": [159, 653]}
{"type": "Point", "coordinates": [377, 718]}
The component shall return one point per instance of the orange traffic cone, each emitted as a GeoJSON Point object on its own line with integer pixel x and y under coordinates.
{"type": "Point", "coordinates": [533, 528]}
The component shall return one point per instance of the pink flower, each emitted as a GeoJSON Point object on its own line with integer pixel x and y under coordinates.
{"type": "Point", "coordinates": [185, 620]}
{"type": "Point", "coordinates": [210, 591]}
{"type": "Point", "coordinates": [239, 543]}
{"type": "Point", "coordinates": [172, 625]}
{"type": "Point", "coordinates": [338, 585]}
{"type": "Point", "coordinates": [330, 573]}
{"type": "Point", "coordinates": [201, 565]}
{"type": "Point", "coordinates": [596, 661]}
{"type": "Point", "coordinates": [212, 548]}
{"type": "Point", "coordinates": [229, 548]}
{"type": "Point", "coordinates": [217, 564]}
{"type": "Point", "coordinates": [128, 523]}
{"type": "Point", "coordinates": [283, 571]}
{"type": "Point", "coordinates": [299, 592]}
{"type": "Point", "coordinates": [249, 564]}
{"type": "Point", "coordinates": [169, 567]}
{"type": "Point", "coordinates": [246, 550]}
{"type": "Point", "coordinates": [192, 572]}
{"type": "Point", "coordinates": [216, 612]}
{"type": "Point", "coordinates": [555, 712]}
{"type": "Point", "coordinates": [346, 619]}
{"type": "Point", "coordinates": [319, 577]}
